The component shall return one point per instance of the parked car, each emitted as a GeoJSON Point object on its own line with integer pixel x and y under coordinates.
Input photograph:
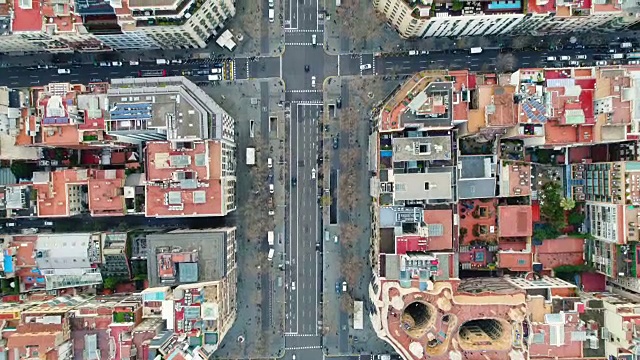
{"type": "Point", "coordinates": [365, 66]}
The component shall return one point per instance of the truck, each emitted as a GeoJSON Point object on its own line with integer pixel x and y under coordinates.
{"type": "Point", "coordinates": [272, 15]}
{"type": "Point", "coordinates": [270, 255]}
{"type": "Point", "coordinates": [215, 77]}
{"type": "Point", "coordinates": [270, 237]}
{"type": "Point", "coordinates": [251, 156]}
{"type": "Point", "coordinates": [475, 50]}
{"type": "Point", "coordinates": [358, 315]}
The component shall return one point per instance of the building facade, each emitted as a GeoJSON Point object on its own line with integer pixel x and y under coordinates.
{"type": "Point", "coordinates": [425, 18]}
{"type": "Point", "coordinates": [99, 25]}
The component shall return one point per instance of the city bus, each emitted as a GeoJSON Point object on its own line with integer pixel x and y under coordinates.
{"type": "Point", "coordinates": [152, 73]}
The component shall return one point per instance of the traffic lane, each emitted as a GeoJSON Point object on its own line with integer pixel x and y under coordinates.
{"type": "Point", "coordinates": [308, 274]}
{"type": "Point", "coordinates": [266, 67]}
{"type": "Point", "coordinates": [294, 220]}
{"type": "Point", "coordinates": [309, 15]}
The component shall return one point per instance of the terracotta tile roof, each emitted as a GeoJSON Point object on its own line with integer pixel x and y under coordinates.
{"type": "Point", "coordinates": [27, 19]}
{"type": "Point", "coordinates": [515, 260]}
{"type": "Point", "coordinates": [515, 221]}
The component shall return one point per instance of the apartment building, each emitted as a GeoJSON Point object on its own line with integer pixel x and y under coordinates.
{"type": "Point", "coordinates": [169, 108]}
{"type": "Point", "coordinates": [99, 25]}
{"type": "Point", "coordinates": [427, 18]}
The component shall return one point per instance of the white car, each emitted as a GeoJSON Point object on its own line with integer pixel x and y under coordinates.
{"type": "Point", "coordinates": [271, 189]}
{"type": "Point", "coordinates": [551, 58]}
{"type": "Point", "coordinates": [574, 63]}
{"type": "Point", "coordinates": [344, 286]}
{"type": "Point", "coordinates": [117, 63]}
{"type": "Point", "coordinates": [581, 57]}
{"type": "Point", "coordinates": [313, 173]}
{"type": "Point", "coordinates": [134, 63]}
{"type": "Point", "coordinates": [565, 58]}
{"type": "Point", "coordinates": [365, 66]}
{"type": "Point", "coordinates": [64, 71]}
{"type": "Point", "coordinates": [313, 81]}
{"type": "Point", "coordinates": [269, 163]}
{"type": "Point", "coordinates": [601, 63]}
{"type": "Point", "coordinates": [293, 286]}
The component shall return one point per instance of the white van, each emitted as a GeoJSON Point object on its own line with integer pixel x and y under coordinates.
{"type": "Point", "coordinates": [271, 252]}
{"type": "Point", "coordinates": [216, 71]}
{"type": "Point", "coordinates": [272, 15]}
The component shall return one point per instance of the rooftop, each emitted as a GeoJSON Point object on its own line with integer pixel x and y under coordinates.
{"type": "Point", "coordinates": [515, 220]}
{"type": "Point", "coordinates": [430, 148]}
{"type": "Point", "coordinates": [106, 192]}
{"type": "Point", "coordinates": [423, 186]}
{"type": "Point", "coordinates": [476, 176]}
{"type": "Point", "coordinates": [211, 246]}
{"type": "Point", "coordinates": [171, 106]}
{"type": "Point", "coordinates": [27, 16]}
{"type": "Point", "coordinates": [561, 251]}
{"type": "Point", "coordinates": [184, 181]}
{"type": "Point", "coordinates": [515, 179]}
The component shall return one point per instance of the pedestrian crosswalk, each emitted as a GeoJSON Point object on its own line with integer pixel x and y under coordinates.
{"type": "Point", "coordinates": [301, 44]}
{"type": "Point", "coordinates": [301, 30]}
{"type": "Point", "coordinates": [303, 348]}
{"type": "Point", "coordinates": [307, 102]}
{"type": "Point", "coordinates": [304, 91]}
{"type": "Point", "coordinates": [299, 335]}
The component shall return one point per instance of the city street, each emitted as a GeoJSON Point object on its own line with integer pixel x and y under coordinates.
{"type": "Point", "coordinates": [317, 323]}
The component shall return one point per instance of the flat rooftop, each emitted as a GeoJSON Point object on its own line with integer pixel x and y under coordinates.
{"type": "Point", "coordinates": [184, 181]}
{"type": "Point", "coordinates": [171, 105]}
{"type": "Point", "coordinates": [424, 186]}
{"type": "Point", "coordinates": [421, 148]}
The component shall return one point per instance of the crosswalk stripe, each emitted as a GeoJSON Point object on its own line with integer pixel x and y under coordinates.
{"type": "Point", "coordinates": [302, 44]}
{"type": "Point", "coordinates": [300, 335]}
{"type": "Point", "coordinates": [301, 30]}
{"type": "Point", "coordinates": [304, 91]}
{"type": "Point", "coordinates": [303, 348]}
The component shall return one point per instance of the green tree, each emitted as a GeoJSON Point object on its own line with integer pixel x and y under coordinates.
{"type": "Point", "coordinates": [110, 283]}
{"type": "Point", "coordinates": [22, 170]}
{"type": "Point", "coordinates": [575, 218]}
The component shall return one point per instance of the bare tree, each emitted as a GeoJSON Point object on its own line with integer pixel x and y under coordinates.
{"type": "Point", "coordinates": [521, 42]}
{"type": "Point", "coordinates": [506, 62]}
{"type": "Point", "coordinates": [360, 22]}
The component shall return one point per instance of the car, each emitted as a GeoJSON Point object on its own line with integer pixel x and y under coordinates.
{"type": "Point", "coordinates": [293, 286]}
{"type": "Point", "coordinates": [339, 102]}
{"type": "Point", "coordinates": [565, 58]}
{"type": "Point", "coordinates": [335, 142]}
{"type": "Point", "coordinates": [317, 246]}
{"type": "Point", "coordinates": [314, 40]}
{"type": "Point", "coordinates": [337, 287]}
{"type": "Point", "coordinates": [271, 4]}
{"type": "Point", "coordinates": [306, 68]}
{"type": "Point", "coordinates": [293, 357]}
{"type": "Point", "coordinates": [186, 72]}
{"type": "Point", "coordinates": [48, 223]}
{"type": "Point", "coordinates": [365, 66]}
{"type": "Point", "coordinates": [633, 62]}
{"type": "Point", "coordinates": [574, 63]}
{"type": "Point", "coordinates": [581, 57]}
{"type": "Point", "coordinates": [551, 58]}
{"type": "Point", "coordinates": [104, 64]}
{"type": "Point", "coordinates": [64, 71]}
{"type": "Point", "coordinates": [269, 163]}
{"type": "Point", "coordinates": [313, 81]}
{"type": "Point", "coordinates": [335, 239]}
{"type": "Point", "coordinates": [344, 286]}
{"type": "Point", "coordinates": [43, 66]}
{"type": "Point", "coordinates": [95, 80]}
{"type": "Point", "coordinates": [271, 189]}
{"type": "Point", "coordinates": [601, 63]}
{"type": "Point", "coordinates": [134, 62]}
{"type": "Point", "coordinates": [176, 61]}
{"type": "Point", "coordinates": [11, 224]}
{"type": "Point", "coordinates": [116, 63]}
{"type": "Point", "coordinates": [313, 173]}
{"type": "Point", "coordinates": [218, 65]}
{"type": "Point", "coordinates": [294, 181]}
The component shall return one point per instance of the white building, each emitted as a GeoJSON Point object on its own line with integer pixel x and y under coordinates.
{"type": "Point", "coordinates": [426, 18]}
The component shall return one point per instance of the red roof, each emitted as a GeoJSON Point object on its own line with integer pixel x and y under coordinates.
{"type": "Point", "coordinates": [27, 19]}
{"type": "Point", "coordinates": [515, 260]}
{"type": "Point", "coordinates": [515, 221]}
{"type": "Point", "coordinates": [561, 251]}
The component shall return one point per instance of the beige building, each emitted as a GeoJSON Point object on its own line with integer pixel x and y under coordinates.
{"type": "Point", "coordinates": [426, 18]}
{"type": "Point", "coordinates": [67, 26]}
